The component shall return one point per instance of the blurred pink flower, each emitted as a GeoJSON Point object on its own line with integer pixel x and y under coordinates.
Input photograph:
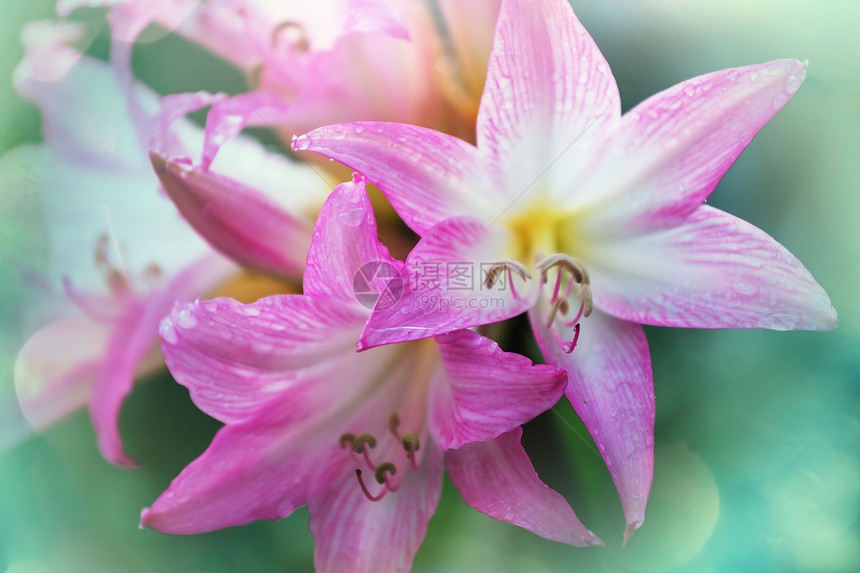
{"type": "Point", "coordinates": [605, 212]}
{"type": "Point", "coordinates": [308, 420]}
{"type": "Point", "coordinates": [308, 64]}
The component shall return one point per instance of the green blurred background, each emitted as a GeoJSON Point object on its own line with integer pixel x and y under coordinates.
{"type": "Point", "coordinates": [757, 462]}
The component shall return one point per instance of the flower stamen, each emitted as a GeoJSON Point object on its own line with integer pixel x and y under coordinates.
{"type": "Point", "coordinates": [364, 489]}
{"type": "Point", "coordinates": [411, 445]}
{"type": "Point", "coordinates": [495, 271]}
{"type": "Point", "coordinates": [579, 276]}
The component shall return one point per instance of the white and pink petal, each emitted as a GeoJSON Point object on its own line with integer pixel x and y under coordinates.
{"type": "Point", "coordinates": [672, 149]}
{"type": "Point", "coordinates": [713, 271]}
{"type": "Point", "coordinates": [611, 388]}
{"type": "Point", "coordinates": [445, 285]}
{"type": "Point", "coordinates": [547, 85]}
{"type": "Point", "coordinates": [427, 176]}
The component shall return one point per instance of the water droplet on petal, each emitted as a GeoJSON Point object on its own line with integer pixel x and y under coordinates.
{"type": "Point", "coordinates": [779, 101]}
{"type": "Point", "coordinates": [792, 84]}
{"type": "Point", "coordinates": [746, 289]}
{"type": "Point", "coordinates": [186, 319]}
{"type": "Point", "coordinates": [350, 217]}
{"type": "Point", "coordinates": [167, 332]}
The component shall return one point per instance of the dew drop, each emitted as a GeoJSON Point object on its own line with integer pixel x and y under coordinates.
{"type": "Point", "coordinates": [167, 332]}
{"type": "Point", "coordinates": [779, 101]}
{"type": "Point", "coordinates": [792, 84]}
{"type": "Point", "coordinates": [350, 217]}
{"type": "Point", "coordinates": [746, 289]}
{"type": "Point", "coordinates": [780, 321]}
{"type": "Point", "coordinates": [186, 319]}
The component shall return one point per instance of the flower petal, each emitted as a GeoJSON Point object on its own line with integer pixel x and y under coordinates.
{"type": "Point", "coordinates": [485, 392]}
{"type": "Point", "coordinates": [237, 359]}
{"type": "Point", "coordinates": [246, 225]}
{"type": "Point", "coordinates": [611, 388]}
{"type": "Point", "coordinates": [357, 535]}
{"type": "Point", "coordinates": [497, 478]}
{"type": "Point", "coordinates": [254, 471]}
{"type": "Point", "coordinates": [134, 336]}
{"type": "Point", "coordinates": [673, 148]}
{"type": "Point", "coordinates": [547, 84]}
{"type": "Point", "coordinates": [345, 258]}
{"type": "Point", "coordinates": [714, 271]}
{"type": "Point", "coordinates": [444, 287]}
{"type": "Point", "coordinates": [54, 370]}
{"type": "Point", "coordinates": [426, 175]}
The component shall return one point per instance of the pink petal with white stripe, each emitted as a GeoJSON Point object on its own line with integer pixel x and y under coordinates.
{"type": "Point", "coordinates": [250, 471]}
{"type": "Point", "coordinates": [426, 175]}
{"type": "Point", "coordinates": [611, 388]}
{"type": "Point", "coordinates": [673, 148]}
{"type": "Point", "coordinates": [236, 359]}
{"type": "Point", "coordinates": [713, 271]}
{"type": "Point", "coordinates": [444, 286]}
{"type": "Point", "coordinates": [547, 84]}
{"type": "Point", "coordinates": [485, 392]}
{"type": "Point", "coordinates": [497, 478]}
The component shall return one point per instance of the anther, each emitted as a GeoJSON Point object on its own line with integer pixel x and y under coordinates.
{"type": "Point", "coordinates": [497, 269]}
{"type": "Point", "coordinates": [382, 469]}
{"type": "Point", "coordinates": [361, 439]}
{"type": "Point", "coordinates": [411, 443]}
{"type": "Point", "coordinates": [572, 265]}
{"type": "Point", "coordinates": [346, 440]}
{"type": "Point", "coordinates": [393, 424]}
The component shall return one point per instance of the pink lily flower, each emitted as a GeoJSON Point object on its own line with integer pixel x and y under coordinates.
{"type": "Point", "coordinates": [310, 422]}
{"type": "Point", "coordinates": [593, 221]}
{"type": "Point", "coordinates": [109, 278]}
{"type": "Point", "coordinates": [308, 64]}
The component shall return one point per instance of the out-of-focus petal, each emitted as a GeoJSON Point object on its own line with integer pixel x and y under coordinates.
{"type": "Point", "coordinates": [445, 288]}
{"type": "Point", "coordinates": [673, 148]}
{"type": "Point", "coordinates": [355, 534]}
{"type": "Point", "coordinates": [426, 175]}
{"type": "Point", "coordinates": [471, 25]}
{"type": "Point", "coordinates": [55, 369]}
{"type": "Point", "coordinates": [547, 84]}
{"type": "Point", "coordinates": [83, 106]}
{"type": "Point", "coordinates": [485, 392]}
{"type": "Point", "coordinates": [134, 336]}
{"type": "Point", "coordinates": [497, 478]}
{"type": "Point", "coordinates": [236, 359]}
{"type": "Point", "coordinates": [612, 390]}
{"type": "Point", "coordinates": [242, 223]}
{"type": "Point", "coordinates": [345, 259]}
{"type": "Point", "coordinates": [713, 271]}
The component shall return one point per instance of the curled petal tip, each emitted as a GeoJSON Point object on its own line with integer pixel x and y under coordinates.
{"type": "Point", "coordinates": [629, 531]}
